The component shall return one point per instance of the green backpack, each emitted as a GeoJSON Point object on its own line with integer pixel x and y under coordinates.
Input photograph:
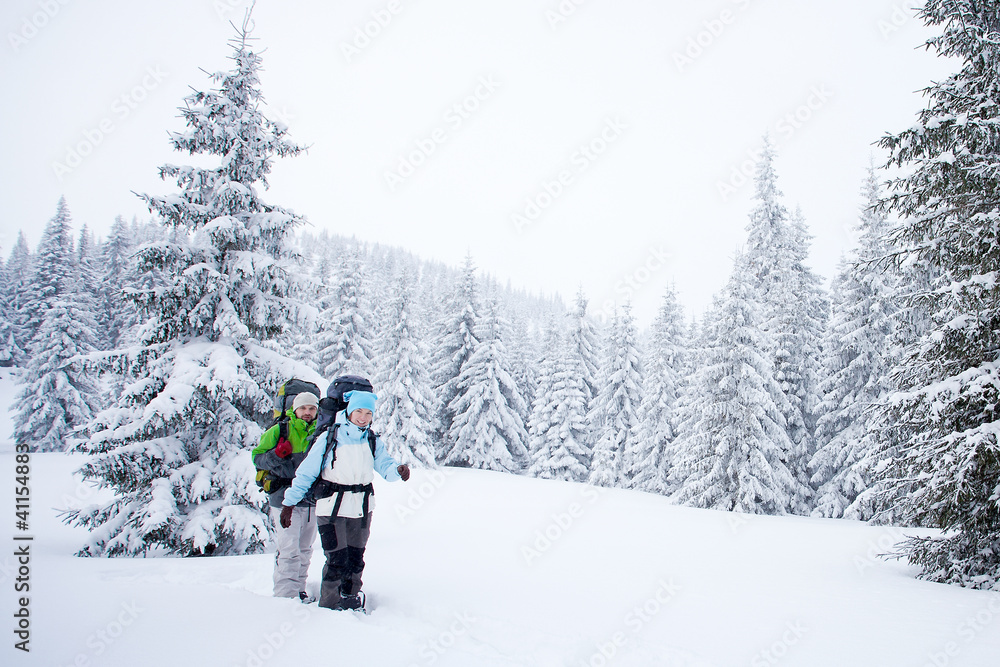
{"type": "Point", "coordinates": [282, 402]}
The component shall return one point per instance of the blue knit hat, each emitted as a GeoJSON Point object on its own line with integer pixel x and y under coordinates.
{"type": "Point", "coordinates": [360, 399]}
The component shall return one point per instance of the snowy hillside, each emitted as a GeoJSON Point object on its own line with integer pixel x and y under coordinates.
{"type": "Point", "coordinates": [474, 568]}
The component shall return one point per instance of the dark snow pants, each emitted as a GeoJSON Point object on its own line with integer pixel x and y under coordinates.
{"type": "Point", "coordinates": [344, 541]}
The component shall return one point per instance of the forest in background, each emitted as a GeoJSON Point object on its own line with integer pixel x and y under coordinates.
{"type": "Point", "coordinates": [157, 351]}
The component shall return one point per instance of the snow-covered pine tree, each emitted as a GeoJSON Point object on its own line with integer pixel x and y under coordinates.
{"type": "Point", "coordinates": [810, 320]}
{"type": "Point", "coordinates": [558, 427]}
{"type": "Point", "coordinates": [57, 396]}
{"type": "Point", "coordinates": [88, 281]}
{"type": "Point", "coordinates": [455, 342]}
{"type": "Point", "coordinates": [174, 449]}
{"type": "Point", "coordinates": [117, 312]}
{"type": "Point", "coordinates": [585, 343]}
{"type": "Point", "coordinates": [664, 380]}
{"type": "Point", "coordinates": [858, 354]}
{"type": "Point", "coordinates": [487, 430]}
{"type": "Point", "coordinates": [324, 267]}
{"type": "Point", "coordinates": [541, 416]}
{"type": "Point", "coordinates": [787, 292]}
{"type": "Point", "coordinates": [521, 349]}
{"type": "Point", "coordinates": [15, 290]}
{"type": "Point", "coordinates": [700, 341]}
{"type": "Point", "coordinates": [733, 456]}
{"type": "Point", "coordinates": [614, 414]}
{"type": "Point", "coordinates": [942, 422]}
{"type": "Point", "coordinates": [404, 382]}
{"type": "Point", "coordinates": [344, 340]}
{"type": "Point", "coordinates": [8, 344]}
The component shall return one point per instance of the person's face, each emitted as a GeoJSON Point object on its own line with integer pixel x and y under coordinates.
{"type": "Point", "coordinates": [361, 417]}
{"type": "Point", "coordinates": [307, 413]}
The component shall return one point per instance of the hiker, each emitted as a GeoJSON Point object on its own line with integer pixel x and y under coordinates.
{"type": "Point", "coordinates": [345, 469]}
{"type": "Point", "coordinates": [281, 457]}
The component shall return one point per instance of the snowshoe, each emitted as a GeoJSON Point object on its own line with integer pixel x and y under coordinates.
{"type": "Point", "coordinates": [305, 598]}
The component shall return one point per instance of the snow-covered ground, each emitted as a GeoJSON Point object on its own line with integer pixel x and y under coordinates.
{"type": "Point", "coordinates": [471, 568]}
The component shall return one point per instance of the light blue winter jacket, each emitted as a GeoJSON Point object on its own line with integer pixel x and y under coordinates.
{"type": "Point", "coordinates": [354, 465]}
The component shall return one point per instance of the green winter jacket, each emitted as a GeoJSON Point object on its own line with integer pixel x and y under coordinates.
{"type": "Point", "coordinates": [264, 457]}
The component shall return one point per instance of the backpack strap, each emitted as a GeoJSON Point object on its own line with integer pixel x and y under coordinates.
{"type": "Point", "coordinates": [329, 488]}
{"type": "Point", "coordinates": [341, 489]}
{"type": "Point", "coordinates": [331, 446]}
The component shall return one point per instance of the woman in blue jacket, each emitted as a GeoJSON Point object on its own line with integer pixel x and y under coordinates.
{"type": "Point", "coordinates": [344, 497]}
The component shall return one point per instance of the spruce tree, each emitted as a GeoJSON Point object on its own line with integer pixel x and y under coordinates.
{"type": "Point", "coordinates": [733, 456]}
{"type": "Point", "coordinates": [57, 395]}
{"type": "Point", "coordinates": [541, 417]}
{"type": "Point", "coordinates": [9, 351]}
{"type": "Point", "coordinates": [664, 378]}
{"type": "Point", "coordinates": [487, 431]}
{"type": "Point", "coordinates": [558, 426]}
{"type": "Point", "coordinates": [117, 311]}
{"type": "Point", "coordinates": [344, 340]}
{"type": "Point", "coordinates": [859, 351]}
{"type": "Point", "coordinates": [941, 423]}
{"type": "Point", "coordinates": [810, 320]}
{"type": "Point", "coordinates": [455, 343]}
{"type": "Point", "coordinates": [789, 296]}
{"type": "Point", "coordinates": [198, 382]}
{"type": "Point", "coordinates": [522, 349]}
{"type": "Point", "coordinates": [19, 270]}
{"type": "Point", "coordinates": [585, 344]}
{"type": "Point", "coordinates": [404, 383]}
{"type": "Point", "coordinates": [614, 415]}
{"type": "Point", "coordinates": [89, 285]}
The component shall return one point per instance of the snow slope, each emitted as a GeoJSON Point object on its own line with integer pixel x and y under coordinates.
{"type": "Point", "coordinates": [472, 568]}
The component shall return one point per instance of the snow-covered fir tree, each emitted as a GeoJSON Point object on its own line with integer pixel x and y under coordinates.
{"type": "Point", "coordinates": [57, 395]}
{"type": "Point", "coordinates": [941, 422]}
{"type": "Point", "coordinates": [174, 447]}
{"type": "Point", "coordinates": [733, 455]}
{"type": "Point", "coordinates": [455, 342]}
{"type": "Point", "coordinates": [404, 384]}
{"type": "Point", "coordinates": [558, 424]}
{"type": "Point", "coordinates": [789, 295]}
{"type": "Point", "coordinates": [88, 279]}
{"type": "Point", "coordinates": [9, 351]}
{"type": "Point", "coordinates": [522, 350]}
{"type": "Point", "coordinates": [539, 418]}
{"type": "Point", "coordinates": [344, 340]}
{"type": "Point", "coordinates": [810, 317]}
{"type": "Point", "coordinates": [858, 354]}
{"type": "Point", "coordinates": [664, 380]}
{"type": "Point", "coordinates": [614, 414]}
{"type": "Point", "coordinates": [487, 431]}
{"type": "Point", "coordinates": [585, 343]}
{"type": "Point", "coordinates": [118, 312]}
{"type": "Point", "coordinates": [15, 290]}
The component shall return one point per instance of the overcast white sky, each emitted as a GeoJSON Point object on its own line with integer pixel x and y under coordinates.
{"type": "Point", "coordinates": [670, 97]}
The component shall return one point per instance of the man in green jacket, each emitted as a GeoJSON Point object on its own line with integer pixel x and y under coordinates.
{"type": "Point", "coordinates": [281, 456]}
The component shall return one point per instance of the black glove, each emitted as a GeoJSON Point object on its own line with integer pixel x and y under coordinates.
{"type": "Point", "coordinates": [286, 516]}
{"type": "Point", "coordinates": [404, 471]}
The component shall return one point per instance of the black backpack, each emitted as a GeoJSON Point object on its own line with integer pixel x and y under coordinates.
{"type": "Point", "coordinates": [334, 400]}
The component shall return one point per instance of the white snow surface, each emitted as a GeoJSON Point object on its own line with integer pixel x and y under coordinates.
{"type": "Point", "coordinates": [473, 568]}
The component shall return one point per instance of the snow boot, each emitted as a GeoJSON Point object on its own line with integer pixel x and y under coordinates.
{"type": "Point", "coordinates": [305, 598]}
{"type": "Point", "coordinates": [354, 602]}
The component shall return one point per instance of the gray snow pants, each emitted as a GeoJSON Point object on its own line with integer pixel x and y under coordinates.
{"type": "Point", "coordinates": [344, 540]}
{"type": "Point", "coordinates": [295, 547]}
